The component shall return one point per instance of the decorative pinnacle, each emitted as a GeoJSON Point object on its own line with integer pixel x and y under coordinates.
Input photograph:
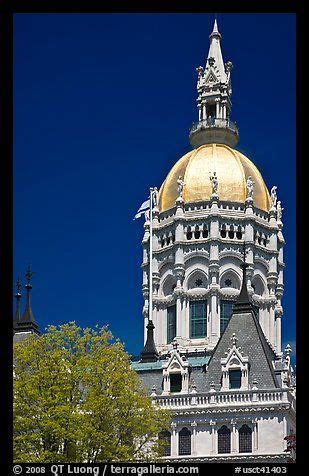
{"type": "Point", "coordinates": [215, 31]}
{"type": "Point", "coordinates": [234, 339]}
{"type": "Point", "coordinates": [18, 287]}
{"type": "Point", "coordinates": [29, 275]}
{"type": "Point", "coordinates": [288, 350]}
{"type": "Point", "coordinates": [175, 344]}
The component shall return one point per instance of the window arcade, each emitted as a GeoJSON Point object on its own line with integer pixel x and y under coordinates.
{"type": "Point", "coordinates": [184, 445]}
{"type": "Point", "coordinates": [224, 440]}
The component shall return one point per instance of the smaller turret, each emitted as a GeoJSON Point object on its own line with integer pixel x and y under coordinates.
{"type": "Point", "coordinates": [26, 323]}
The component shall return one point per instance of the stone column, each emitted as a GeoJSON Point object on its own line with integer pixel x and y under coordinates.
{"type": "Point", "coordinates": [174, 442]}
{"type": "Point", "coordinates": [217, 107]}
{"type": "Point", "coordinates": [255, 435]}
{"type": "Point", "coordinates": [214, 270]}
{"type": "Point", "coordinates": [234, 443]}
{"type": "Point", "coordinates": [193, 441]}
{"type": "Point", "coordinates": [178, 317]}
{"type": "Point", "coordinates": [278, 332]}
{"type": "Point", "coordinates": [213, 437]}
{"type": "Point", "coordinates": [203, 110]}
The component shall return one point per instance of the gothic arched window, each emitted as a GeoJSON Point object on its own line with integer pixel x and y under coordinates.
{"type": "Point", "coordinates": [205, 231]}
{"type": "Point", "coordinates": [197, 233]}
{"type": "Point", "coordinates": [189, 233]}
{"type": "Point", "coordinates": [184, 442]}
{"type": "Point", "coordinates": [245, 439]}
{"type": "Point", "coordinates": [165, 438]}
{"type": "Point", "coordinates": [224, 440]}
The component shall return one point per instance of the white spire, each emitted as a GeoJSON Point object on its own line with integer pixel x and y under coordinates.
{"type": "Point", "coordinates": [215, 53]}
{"type": "Point", "coordinates": [214, 99]}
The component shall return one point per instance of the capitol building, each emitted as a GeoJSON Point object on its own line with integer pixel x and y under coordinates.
{"type": "Point", "coordinates": [213, 281]}
{"type": "Point", "coordinates": [212, 285]}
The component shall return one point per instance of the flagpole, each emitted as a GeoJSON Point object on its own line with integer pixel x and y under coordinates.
{"type": "Point", "coordinates": [150, 258]}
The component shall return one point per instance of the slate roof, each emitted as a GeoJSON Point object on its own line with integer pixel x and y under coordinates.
{"type": "Point", "coordinates": [252, 343]}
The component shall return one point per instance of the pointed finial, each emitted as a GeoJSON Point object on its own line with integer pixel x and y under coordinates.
{"type": "Point", "coordinates": [17, 295]}
{"type": "Point", "coordinates": [234, 339]}
{"type": "Point", "coordinates": [215, 31]}
{"type": "Point", "coordinates": [149, 352]}
{"type": "Point", "coordinates": [18, 287]}
{"type": "Point", "coordinates": [175, 344]}
{"type": "Point", "coordinates": [29, 275]}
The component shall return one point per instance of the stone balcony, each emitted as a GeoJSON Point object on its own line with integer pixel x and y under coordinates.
{"type": "Point", "coordinates": [213, 400]}
{"type": "Point", "coordinates": [214, 131]}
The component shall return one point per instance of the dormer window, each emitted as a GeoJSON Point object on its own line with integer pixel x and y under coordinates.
{"type": "Point", "coordinates": [235, 368]}
{"type": "Point", "coordinates": [175, 383]}
{"type": "Point", "coordinates": [235, 378]}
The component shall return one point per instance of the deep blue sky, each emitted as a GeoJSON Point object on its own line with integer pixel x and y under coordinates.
{"type": "Point", "coordinates": [102, 108]}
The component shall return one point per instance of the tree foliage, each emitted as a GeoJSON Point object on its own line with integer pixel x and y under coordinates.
{"type": "Point", "coordinates": [77, 399]}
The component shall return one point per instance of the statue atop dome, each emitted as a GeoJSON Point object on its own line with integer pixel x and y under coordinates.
{"type": "Point", "coordinates": [273, 196]}
{"type": "Point", "coordinates": [249, 185]}
{"type": "Point", "coordinates": [279, 210]}
{"type": "Point", "coordinates": [214, 183]}
{"type": "Point", "coordinates": [180, 184]}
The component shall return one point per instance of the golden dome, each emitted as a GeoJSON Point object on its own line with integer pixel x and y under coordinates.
{"type": "Point", "coordinates": [232, 169]}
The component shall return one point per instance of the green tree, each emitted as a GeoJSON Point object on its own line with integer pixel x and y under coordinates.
{"type": "Point", "coordinates": [77, 399]}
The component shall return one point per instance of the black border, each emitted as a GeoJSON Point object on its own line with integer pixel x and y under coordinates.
{"type": "Point", "coordinates": [7, 11]}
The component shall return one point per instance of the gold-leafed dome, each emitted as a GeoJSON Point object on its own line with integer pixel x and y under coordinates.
{"type": "Point", "coordinates": [196, 167]}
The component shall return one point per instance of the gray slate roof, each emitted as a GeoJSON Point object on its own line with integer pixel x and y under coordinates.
{"type": "Point", "coordinates": [251, 340]}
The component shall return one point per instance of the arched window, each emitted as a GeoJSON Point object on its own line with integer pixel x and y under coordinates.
{"type": "Point", "coordinates": [224, 440]}
{"type": "Point", "coordinates": [189, 233]}
{"type": "Point", "coordinates": [171, 323]}
{"type": "Point", "coordinates": [198, 319]}
{"type": "Point", "coordinates": [205, 231]}
{"type": "Point", "coordinates": [234, 378]}
{"type": "Point", "coordinates": [223, 231]}
{"type": "Point", "coordinates": [231, 232]}
{"type": "Point", "coordinates": [245, 439]}
{"type": "Point", "coordinates": [165, 438]}
{"type": "Point", "coordinates": [226, 309]}
{"type": "Point", "coordinates": [197, 232]}
{"type": "Point", "coordinates": [175, 382]}
{"type": "Point", "coordinates": [184, 447]}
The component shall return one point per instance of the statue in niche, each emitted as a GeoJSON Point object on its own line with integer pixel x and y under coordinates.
{"type": "Point", "coordinates": [249, 185]}
{"type": "Point", "coordinates": [214, 183]}
{"type": "Point", "coordinates": [273, 196]}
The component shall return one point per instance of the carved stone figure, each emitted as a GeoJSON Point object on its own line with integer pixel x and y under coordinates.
{"type": "Point", "coordinates": [155, 197]}
{"type": "Point", "coordinates": [147, 215]}
{"type": "Point", "coordinates": [273, 196]}
{"type": "Point", "coordinates": [180, 183]}
{"type": "Point", "coordinates": [279, 210]}
{"type": "Point", "coordinates": [250, 185]}
{"type": "Point", "coordinates": [214, 182]}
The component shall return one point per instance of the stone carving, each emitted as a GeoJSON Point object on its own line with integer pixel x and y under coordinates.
{"type": "Point", "coordinates": [214, 183]}
{"type": "Point", "coordinates": [180, 183]}
{"type": "Point", "coordinates": [249, 185]}
{"type": "Point", "coordinates": [147, 215]}
{"type": "Point", "coordinates": [279, 210]}
{"type": "Point", "coordinates": [155, 197]}
{"type": "Point", "coordinates": [273, 196]}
